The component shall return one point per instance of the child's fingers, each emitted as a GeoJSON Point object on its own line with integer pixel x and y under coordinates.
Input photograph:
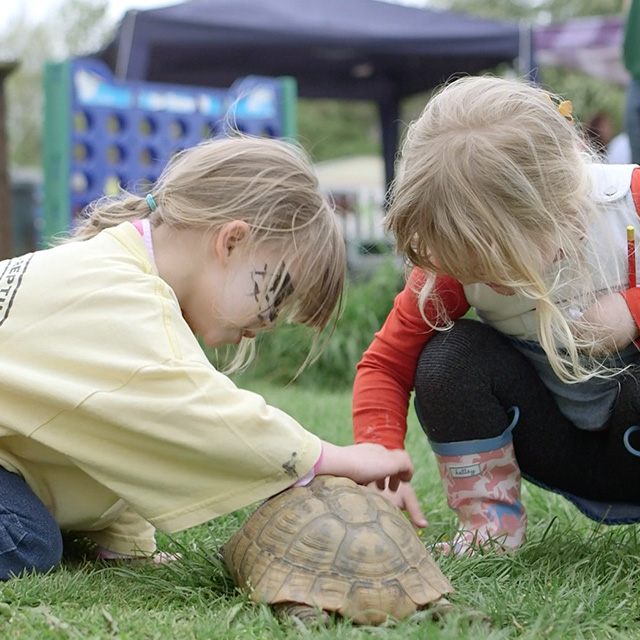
{"type": "Point", "coordinates": [414, 510]}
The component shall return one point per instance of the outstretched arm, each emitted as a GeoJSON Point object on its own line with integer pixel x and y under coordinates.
{"type": "Point", "coordinates": [366, 462]}
{"type": "Point", "coordinates": [385, 378]}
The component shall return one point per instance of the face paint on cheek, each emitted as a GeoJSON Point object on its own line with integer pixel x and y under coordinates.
{"type": "Point", "coordinates": [279, 289]}
{"type": "Point", "coordinates": [258, 276]}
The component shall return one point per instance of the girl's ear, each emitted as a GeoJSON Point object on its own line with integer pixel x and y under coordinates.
{"type": "Point", "coordinates": [230, 237]}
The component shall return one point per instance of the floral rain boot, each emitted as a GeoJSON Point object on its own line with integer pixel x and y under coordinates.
{"type": "Point", "coordinates": [481, 479]}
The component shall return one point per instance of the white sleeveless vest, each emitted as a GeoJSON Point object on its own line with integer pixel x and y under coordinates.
{"type": "Point", "coordinates": [515, 315]}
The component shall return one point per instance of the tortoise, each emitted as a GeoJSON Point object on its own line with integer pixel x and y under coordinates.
{"type": "Point", "coordinates": [338, 547]}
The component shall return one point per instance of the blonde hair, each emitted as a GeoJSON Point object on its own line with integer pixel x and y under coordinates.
{"type": "Point", "coordinates": [270, 184]}
{"type": "Point", "coordinates": [493, 184]}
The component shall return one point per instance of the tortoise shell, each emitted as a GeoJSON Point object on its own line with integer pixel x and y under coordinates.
{"type": "Point", "coordinates": [336, 546]}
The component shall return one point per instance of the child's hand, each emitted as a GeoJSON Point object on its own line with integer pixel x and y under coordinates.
{"type": "Point", "coordinates": [366, 462]}
{"type": "Point", "coordinates": [613, 324]}
{"type": "Point", "coordinates": [406, 500]}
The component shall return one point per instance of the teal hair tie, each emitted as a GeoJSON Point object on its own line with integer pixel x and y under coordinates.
{"type": "Point", "coordinates": [152, 203]}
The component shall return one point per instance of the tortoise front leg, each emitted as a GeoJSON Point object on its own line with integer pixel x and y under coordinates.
{"type": "Point", "coordinates": [303, 613]}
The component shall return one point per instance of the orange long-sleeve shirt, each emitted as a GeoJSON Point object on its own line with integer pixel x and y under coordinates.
{"type": "Point", "coordinates": [385, 374]}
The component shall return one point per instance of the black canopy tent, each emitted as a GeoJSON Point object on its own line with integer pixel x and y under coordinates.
{"type": "Point", "coordinates": [349, 49]}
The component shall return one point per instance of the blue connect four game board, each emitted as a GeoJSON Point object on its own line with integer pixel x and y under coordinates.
{"type": "Point", "coordinates": [101, 134]}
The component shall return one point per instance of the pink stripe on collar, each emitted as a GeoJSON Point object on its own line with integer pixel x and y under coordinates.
{"type": "Point", "coordinates": [144, 229]}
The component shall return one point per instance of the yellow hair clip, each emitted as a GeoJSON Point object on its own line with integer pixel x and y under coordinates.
{"type": "Point", "coordinates": [565, 108]}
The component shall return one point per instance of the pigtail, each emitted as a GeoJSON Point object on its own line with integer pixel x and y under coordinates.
{"type": "Point", "coordinates": [109, 212]}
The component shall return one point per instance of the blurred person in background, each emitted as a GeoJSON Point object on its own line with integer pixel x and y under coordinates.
{"type": "Point", "coordinates": [631, 57]}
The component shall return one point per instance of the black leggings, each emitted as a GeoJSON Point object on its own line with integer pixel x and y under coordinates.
{"type": "Point", "coordinates": [466, 380]}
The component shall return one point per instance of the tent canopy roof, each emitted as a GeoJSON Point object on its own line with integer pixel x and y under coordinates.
{"type": "Point", "coordinates": [353, 49]}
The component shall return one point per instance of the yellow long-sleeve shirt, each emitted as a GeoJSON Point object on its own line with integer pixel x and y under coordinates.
{"type": "Point", "coordinates": [111, 411]}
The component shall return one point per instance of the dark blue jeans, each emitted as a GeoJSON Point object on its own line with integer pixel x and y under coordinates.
{"type": "Point", "coordinates": [29, 536]}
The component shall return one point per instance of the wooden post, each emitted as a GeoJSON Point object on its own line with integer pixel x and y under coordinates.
{"type": "Point", "coordinates": [5, 188]}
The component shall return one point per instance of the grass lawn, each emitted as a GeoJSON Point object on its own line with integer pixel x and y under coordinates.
{"type": "Point", "coordinates": [573, 579]}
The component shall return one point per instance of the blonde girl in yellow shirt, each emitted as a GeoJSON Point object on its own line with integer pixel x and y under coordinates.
{"type": "Point", "coordinates": [114, 422]}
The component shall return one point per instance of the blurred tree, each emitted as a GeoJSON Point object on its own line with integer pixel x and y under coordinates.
{"type": "Point", "coordinates": [75, 28]}
{"type": "Point", "coordinates": [535, 10]}
{"type": "Point", "coordinates": [332, 129]}
{"type": "Point", "coordinates": [587, 94]}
